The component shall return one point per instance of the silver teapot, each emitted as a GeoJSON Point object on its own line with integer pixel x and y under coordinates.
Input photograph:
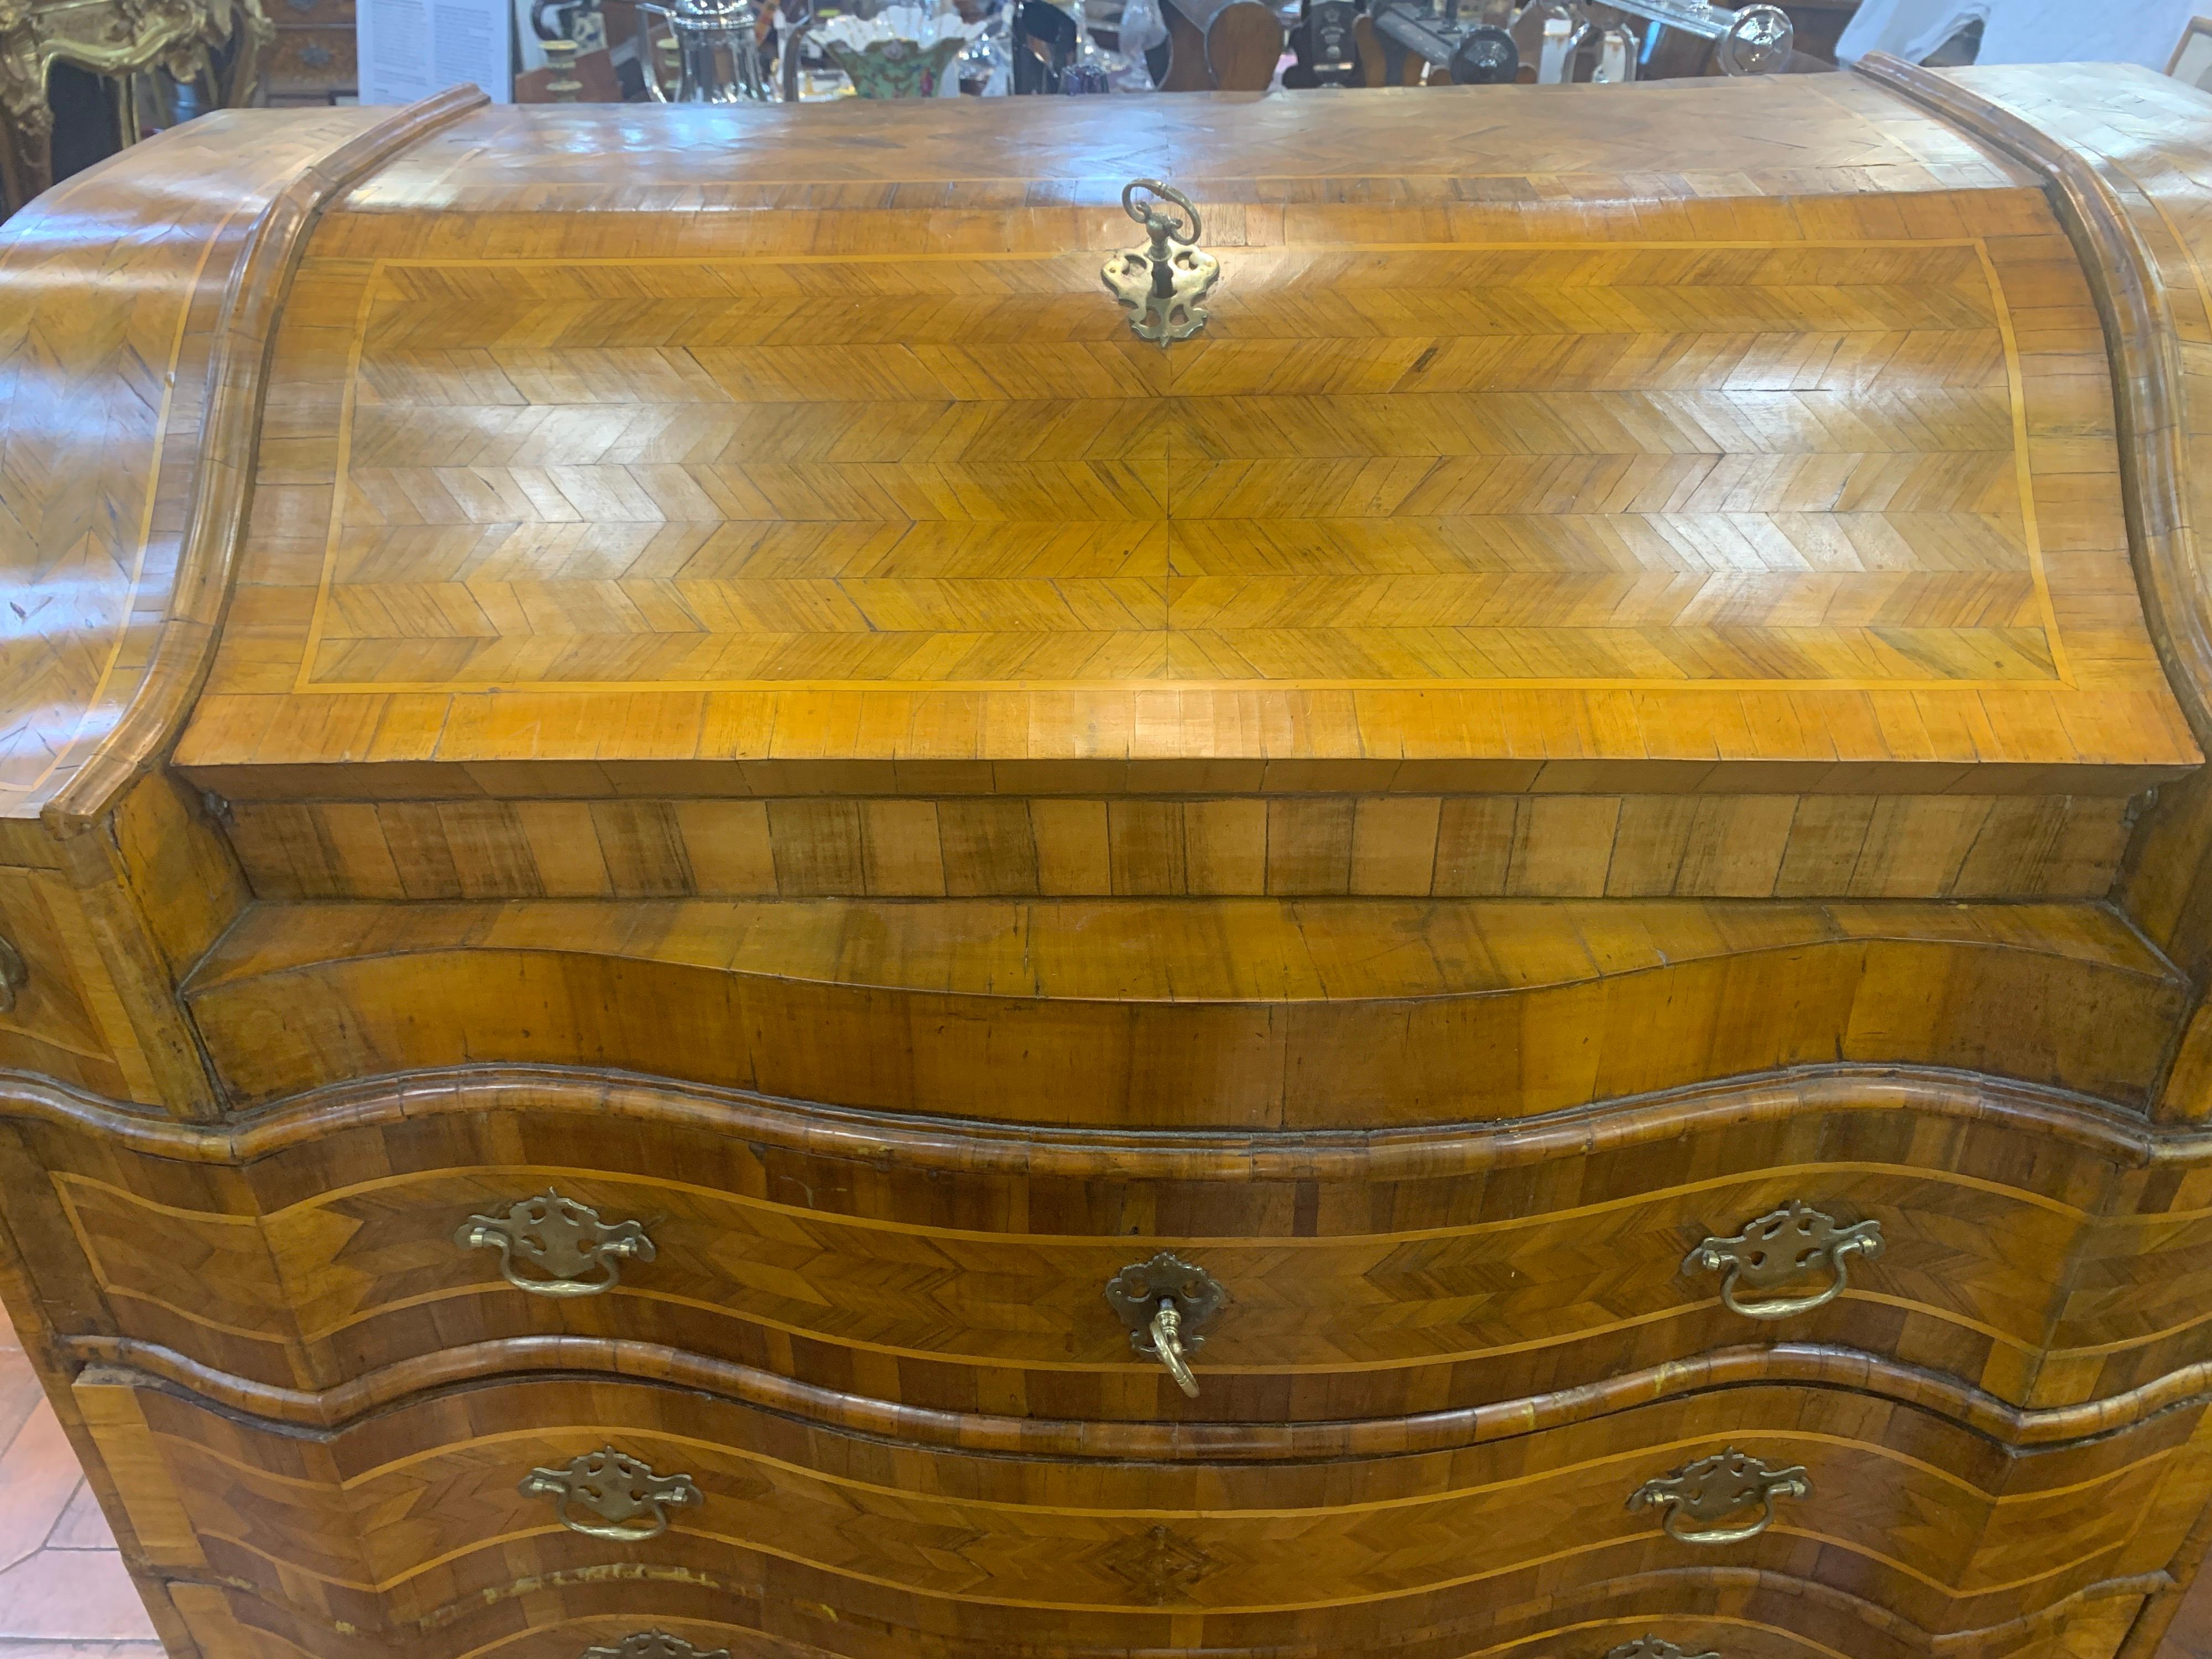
{"type": "Point", "coordinates": [716, 50]}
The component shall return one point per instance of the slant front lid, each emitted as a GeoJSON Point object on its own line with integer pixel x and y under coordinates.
{"type": "Point", "coordinates": [811, 439]}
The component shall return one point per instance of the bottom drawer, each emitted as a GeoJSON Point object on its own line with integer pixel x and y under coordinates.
{"type": "Point", "coordinates": [427, 1512]}
{"type": "Point", "coordinates": [1716, 1614]}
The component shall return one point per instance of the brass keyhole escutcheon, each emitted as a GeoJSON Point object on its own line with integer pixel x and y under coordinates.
{"type": "Point", "coordinates": [1163, 284]}
{"type": "Point", "coordinates": [1167, 1304]}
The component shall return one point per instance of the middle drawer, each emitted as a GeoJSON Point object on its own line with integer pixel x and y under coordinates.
{"type": "Point", "coordinates": [960, 1270]}
{"type": "Point", "coordinates": [410, 1517]}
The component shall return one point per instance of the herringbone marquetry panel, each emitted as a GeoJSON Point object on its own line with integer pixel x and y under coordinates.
{"type": "Point", "coordinates": [1855, 481]}
{"type": "Point", "coordinates": [1419, 463]}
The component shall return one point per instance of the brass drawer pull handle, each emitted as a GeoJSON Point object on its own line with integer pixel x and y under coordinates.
{"type": "Point", "coordinates": [1644, 1647]}
{"type": "Point", "coordinates": [15, 975]}
{"type": "Point", "coordinates": [630, 1501]}
{"type": "Point", "coordinates": [578, 1253]}
{"type": "Point", "coordinates": [1713, 1487]}
{"type": "Point", "coordinates": [659, 1644]}
{"type": "Point", "coordinates": [1783, 1245]}
{"type": "Point", "coordinates": [1167, 1303]}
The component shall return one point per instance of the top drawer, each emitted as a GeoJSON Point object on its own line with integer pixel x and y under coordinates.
{"type": "Point", "coordinates": [967, 1268]}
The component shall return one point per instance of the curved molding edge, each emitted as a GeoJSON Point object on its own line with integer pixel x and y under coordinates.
{"type": "Point", "coordinates": [222, 482]}
{"type": "Point", "coordinates": [995, 1146]}
{"type": "Point", "coordinates": [1588, 1599]}
{"type": "Point", "coordinates": [709, 1606]}
{"type": "Point", "coordinates": [1873, 1614]}
{"type": "Point", "coordinates": [655, 1364]}
{"type": "Point", "coordinates": [2148, 387]}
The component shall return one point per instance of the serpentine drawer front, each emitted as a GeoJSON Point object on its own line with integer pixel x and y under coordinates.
{"type": "Point", "coordinates": [1660, 1619]}
{"type": "Point", "coordinates": [763, 895]}
{"type": "Point", "coordinates": [1668, 1616]}
{"type": "Point", "coordinates": [933, 1279]}
{"type": "Point", "coordinates": [408, 1514]}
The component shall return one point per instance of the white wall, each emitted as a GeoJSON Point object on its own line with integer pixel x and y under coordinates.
{"type": "Point", "coordinates": [2028, 31]}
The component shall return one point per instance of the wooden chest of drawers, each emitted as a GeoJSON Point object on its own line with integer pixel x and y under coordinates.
{"type": "Point", "coordinates": [738, 934]}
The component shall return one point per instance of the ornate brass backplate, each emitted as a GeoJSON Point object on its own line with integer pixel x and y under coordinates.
{"type": "Point", "coordinates": [1712, 1489]}
{"type": "Point", "coordinates": [629, 1500]}
{"type": "Point", "coordinates": [1163, 284]}
{"type": "Point", "coordinates": [572, 1252]}
{"type": "Point", "coordinates": [1167, 1303]}
{"type": "Point", "coordinates": [1644, 1647]}
{"type": "Point", "coordinates": [15, 975]}
{"type": "Point", "coordinates": [1782, 1246]}
{"type": "Point", "coordinates": [659, 1644]}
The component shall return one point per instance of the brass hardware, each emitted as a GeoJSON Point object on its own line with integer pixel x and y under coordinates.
{"type": "Point", "coordinates": [1166, 1344]}
{"type": "Point", "coordinates": [15, 975]}
{"type": "Point", "coordinates": [1168, 1305]}
{"type": "Point", "coordinates": [561, 59]}
{"type": "Point", "coordinates": [1162, 286]}
{"type": "Point", "coordinates": [1783, 1245]}
{"type": "Point", "coordinates": [1713, 1487]}
{"type": "Point", "coordinates": [616, 1488]}
{"type": "Point", "coordinates": [562, 1238]}
{"type": "Point", "coordinates": [659, 1644]}
{"type": "Point", "coordinates": [1644, 1647]}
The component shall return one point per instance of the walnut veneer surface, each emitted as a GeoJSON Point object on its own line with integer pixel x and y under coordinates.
{"type": "Point", "coordinates": [1646, 671]}
{"type": "Point", "coordinates": [1509, 481]}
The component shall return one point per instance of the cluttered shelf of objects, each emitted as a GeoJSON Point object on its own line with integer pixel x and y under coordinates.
{"type": "Point", "coordinates": [806, 50]}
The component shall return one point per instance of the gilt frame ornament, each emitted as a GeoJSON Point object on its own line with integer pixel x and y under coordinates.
{"type": "Point", "coordinates": [1163, 284]}
{"type": "Point", "coordinates": [115, 38]}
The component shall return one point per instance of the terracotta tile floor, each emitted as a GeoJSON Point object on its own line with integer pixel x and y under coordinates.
{"type": "Point", "coordinates": [64, 1594]}
{"type": "Point", "coordinates": [2189, 1637]}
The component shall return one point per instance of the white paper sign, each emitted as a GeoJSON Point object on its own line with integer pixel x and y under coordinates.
{"type": "Point", "coordinates": [412, 48]}
{"type": "Point", "coordinates": [2024, 30]}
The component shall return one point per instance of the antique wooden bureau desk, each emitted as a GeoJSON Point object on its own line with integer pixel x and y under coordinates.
{"type": "Point", "coordinates": [728, 929]}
